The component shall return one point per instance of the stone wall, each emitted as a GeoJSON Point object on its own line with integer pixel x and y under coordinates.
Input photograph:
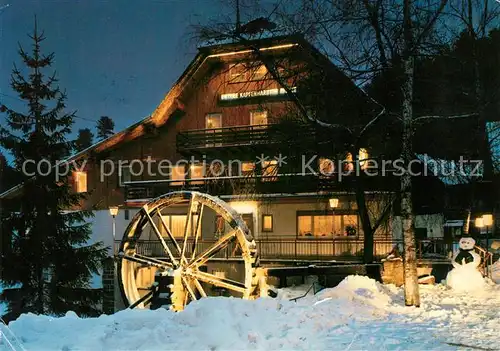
{"type": "Point", "coordinates": [108, 286]}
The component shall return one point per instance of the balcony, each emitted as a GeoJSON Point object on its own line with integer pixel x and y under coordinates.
{"type": "Point", "coordinates": [289, 183]}
{"type": "Point", "coordinates": [303, 249]}
{"type": "Point", "coordinates": [248, 137]}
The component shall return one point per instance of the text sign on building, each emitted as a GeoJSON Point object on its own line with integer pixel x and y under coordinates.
{"type": "Point", "coordinates": [255, 93]}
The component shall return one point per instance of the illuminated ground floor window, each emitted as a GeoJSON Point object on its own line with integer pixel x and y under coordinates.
{"type": "Point", "coordinates": [177, 224]}
{"type": "Point", "coordinates": [326, 225]}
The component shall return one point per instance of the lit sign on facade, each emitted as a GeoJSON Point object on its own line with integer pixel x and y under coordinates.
{"type": "Point", "coordinates": [255, 93]}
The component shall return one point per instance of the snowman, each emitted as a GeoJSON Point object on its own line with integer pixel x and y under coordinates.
{"type": "Point", "coordinates": [465, 276]}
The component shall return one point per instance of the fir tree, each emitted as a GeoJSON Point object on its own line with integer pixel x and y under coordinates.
{"type": "Point", "coordinates": [105, 126]}
{"type": "Point", "coordinates": [84, 139]}
{"type": "Point", "coordinates": [49, 259]}
{"type": "Point", "coordinates": [8, 176]}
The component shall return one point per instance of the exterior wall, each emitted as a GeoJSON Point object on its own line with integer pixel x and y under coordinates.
{"type": "Point", "coordinates": [102, 226]}
{"type": "Point", "coordinates": [102, 230]}
{"type": "Point", "coordinates": [284, 213]}
{"type": "Point", "coordinates": [285, 216]}
{"type": "Point", "coordinates": [434, 224]}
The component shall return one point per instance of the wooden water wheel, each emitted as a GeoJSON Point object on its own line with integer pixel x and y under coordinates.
{"type": "Point", "coordinates": [178, 273]}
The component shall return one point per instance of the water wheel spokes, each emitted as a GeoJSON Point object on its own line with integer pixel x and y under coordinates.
{"type": "Point", "coordinates": [172, 268]}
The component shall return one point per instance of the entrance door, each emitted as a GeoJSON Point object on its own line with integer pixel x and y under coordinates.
{"type": "Point", "coordinates": [248, 219]}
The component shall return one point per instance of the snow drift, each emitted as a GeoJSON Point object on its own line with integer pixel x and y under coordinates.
{"type": "Point", "coordinates": [359, 314]}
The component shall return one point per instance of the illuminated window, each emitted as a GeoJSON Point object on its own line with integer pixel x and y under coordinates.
{"type": "Point", "coordinates": [350, 225]}
{"type": "Point", "coordinates": [267, 223]}
{"type": "Point", "coordinates": [178, 173]}
{"type": "Point", "coordinates": [363, 156]}
{"type": "Point", "coordinates": [196, 172]}
{"type": "Point", "coordinates": [237, 73]}
{"type": "Point", "coordinates": [240, 72]}
{"type": "Point", "coordinates": [80, 179]}
{"type": "Point", "coordinates": [304, 226]}
{"type": "Point", "coordinates": [327, 225]}
{"type": "Point", "coordinates": [259, 73]}
{"type": "Point", "coordinates": [258, 118]}
{"type": "Point", "coordinates": [348, 165]}
{"type": "Point", "coordinates": [269, 171]}
{"type": "Point", "coordinates": [326, 167]}
{"type": "Point", "coordinates": [213, 120]}
{"type": "Point", "coordinates": [177, 223]}
{"type": "Point", "coordinates": [247, 168]}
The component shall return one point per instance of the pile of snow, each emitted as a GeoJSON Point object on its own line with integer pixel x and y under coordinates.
{"type": "Point", "coordinates": [358, 314]}
{"type": "Point", "coordinates": [212, 323]}
{"type": "Point", "coordinates": [362, 289]}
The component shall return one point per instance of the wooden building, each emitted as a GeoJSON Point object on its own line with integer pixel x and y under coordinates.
{"type": "Point", "coordinates": [239, 124]}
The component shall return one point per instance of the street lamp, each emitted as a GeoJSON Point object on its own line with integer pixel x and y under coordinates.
{"type": "Point", "coordinates": [113, 211]}
{"type": "Point", "coordinates": [479, 223]}
{"type": "Point", "coordinates": [334, 203]}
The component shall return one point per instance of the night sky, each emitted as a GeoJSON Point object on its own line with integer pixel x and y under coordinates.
{"type": "Point", "coordinates": [116, 58]}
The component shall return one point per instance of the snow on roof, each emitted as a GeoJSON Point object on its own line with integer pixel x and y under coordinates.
{"type": "Point", "coordinates": [230, 43]}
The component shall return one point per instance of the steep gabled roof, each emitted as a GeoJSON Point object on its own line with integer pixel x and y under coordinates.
{"type": "Point", "coordinates": [171, 101]}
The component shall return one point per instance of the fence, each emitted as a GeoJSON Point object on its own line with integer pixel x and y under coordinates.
{"type": "Point", "coordinates": [302, 249]}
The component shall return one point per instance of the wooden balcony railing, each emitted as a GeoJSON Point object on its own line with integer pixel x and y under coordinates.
{"type": "Point", "coordinates": [304, 249]}
{"type": "Point", "coordinates": [250, 135]}
{"type": "Point", "coordinates": [280, 183]}
{"type": "Point", "coordinates": [289, 183]}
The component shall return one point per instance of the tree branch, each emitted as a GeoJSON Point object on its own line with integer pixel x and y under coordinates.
{"type": "Point", "coordinates": [430, 24]}
{"type": "Point", "coordinates": [426, 118]}
{"type": "Point", "coordinates": [375, 119]}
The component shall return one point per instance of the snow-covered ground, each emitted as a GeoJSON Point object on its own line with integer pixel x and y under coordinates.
{"type": "Point", "coordinates": [359, 314]}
